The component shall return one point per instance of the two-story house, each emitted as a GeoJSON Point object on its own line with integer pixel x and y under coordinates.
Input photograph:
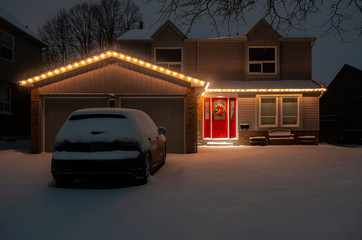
{"type": "Point", "coordinates": [20, 53]}
{"type": "Point", "coordinates": [256, 81]}
{"type": "Point", "coordinates": [214, 89]}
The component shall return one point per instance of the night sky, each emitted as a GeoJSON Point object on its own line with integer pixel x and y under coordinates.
{"type": "Point", "coordinates": [329, 52]}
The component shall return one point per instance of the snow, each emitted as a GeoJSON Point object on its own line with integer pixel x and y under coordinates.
{"type": "Point", "coordinates": [244, 192]}
{"type": "Point", "coordinates": [13, 20]}
{"type": "Point", "coordinates": [104, 155]}
{"type": "Point", "coordinates": [285, 84]}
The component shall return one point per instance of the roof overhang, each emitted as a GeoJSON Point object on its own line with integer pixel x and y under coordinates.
{"type": "Point", "coordinates": [281, 86]}
{"type": "Point", "coordinates": [74, 67]}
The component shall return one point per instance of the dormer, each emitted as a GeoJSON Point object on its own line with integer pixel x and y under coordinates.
{"type": "Point", "coordinates": [262, 50]}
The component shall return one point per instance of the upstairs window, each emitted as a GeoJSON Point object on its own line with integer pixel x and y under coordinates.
{"type": "Point", "coordinates": [170, 58]}
{"type": "Point", "coordinates": [262, 60]}
{"type": "Point", "coordinates": [7, 46]}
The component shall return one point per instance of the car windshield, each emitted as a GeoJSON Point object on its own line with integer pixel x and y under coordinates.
{"type": "Point", "coordinates": [91, 116]}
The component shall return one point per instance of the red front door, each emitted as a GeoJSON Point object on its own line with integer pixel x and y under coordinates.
{"type": "Point", "coordinates": [219, 118]}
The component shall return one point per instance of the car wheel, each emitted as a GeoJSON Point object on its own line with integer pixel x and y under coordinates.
{"type": "Point", "coordinates": [63, 181]}
{"type": "Point", "coordinates": [146, 169]}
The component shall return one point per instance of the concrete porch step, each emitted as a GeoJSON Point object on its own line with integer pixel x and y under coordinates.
{"type": "Point", "coordinates": [219, 144]}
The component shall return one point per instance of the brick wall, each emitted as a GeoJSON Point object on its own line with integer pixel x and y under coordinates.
{"type": "Point", "coordinates": [245, 135]}
{"type": "Point", "coordinates": [35, 138]}
{"type": "Point", "coordinates": [200, 119]}
{"type": "Point", "coordinates": [191, 131]}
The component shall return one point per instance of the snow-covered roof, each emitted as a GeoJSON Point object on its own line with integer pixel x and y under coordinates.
{"type": "Point", "coordinates": [264, 86]}
{"type": "Point", "coordinates": [202, 33]}
{"type": "Point", "coordinates": [137, 34]}
{"type": "Point", "coordinates": [14, 21]}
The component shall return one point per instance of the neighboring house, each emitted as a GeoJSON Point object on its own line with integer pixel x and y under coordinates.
{"type": "Point", "coordinates": [199, 89]}
{"type": "Point", "coordinates": [257, 81]}
{"type": "Point", "coordinates": [340, 106]}
{"type": "Point", "coordinates": [20, 53]}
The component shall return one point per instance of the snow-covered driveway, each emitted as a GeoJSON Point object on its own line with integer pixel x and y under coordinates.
{"type": "Point", "coordinates": [271, 192]}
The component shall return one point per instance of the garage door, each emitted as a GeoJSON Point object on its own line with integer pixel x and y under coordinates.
{"type": "Point", "coordinates": [57, 110]}
{"type": "Point", "coordinates": [167, 112]}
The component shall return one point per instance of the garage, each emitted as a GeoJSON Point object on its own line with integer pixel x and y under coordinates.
{"type": "Point", "coordinates": [114, 80]}
{"type": "Point", "coordinates": [57, 110]}
{"type": "Point", "coordinates": [166, 112]}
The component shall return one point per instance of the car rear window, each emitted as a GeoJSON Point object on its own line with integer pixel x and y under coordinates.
{"type": "Point", "coordinates": [92, 116]}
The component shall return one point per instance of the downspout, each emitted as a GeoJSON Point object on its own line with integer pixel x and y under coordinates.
{"type": "Point", "coordinates": [197, 57]}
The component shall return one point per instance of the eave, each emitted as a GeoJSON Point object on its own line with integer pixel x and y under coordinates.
{"type": "Point", "coordinates": [66, 70]}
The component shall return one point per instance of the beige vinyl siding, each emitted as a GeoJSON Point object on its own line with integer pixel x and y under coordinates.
{"type": "Point", "coordinates": [310, 113]}
{"type": "Point", "coordinates": [190, 59]}
{"type": "Point", "coordinates": [114, 79]}
{"type": "Point", "coordinates": [246, 112]}
{"type": "Point", "coordinates": [295, 60]}
{"type": "Point", "coordinates": [167, 35]}
{"type": "Point", "coordinates": [141, 50]}
{"type": "Point", "coordinates": [224, 60]}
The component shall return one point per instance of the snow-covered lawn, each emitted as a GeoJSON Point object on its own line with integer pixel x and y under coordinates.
{"type": "Point", "coordinates": [271, 192]}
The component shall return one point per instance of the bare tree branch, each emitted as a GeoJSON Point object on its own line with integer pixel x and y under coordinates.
{"type": "Point", "coordinates": [283, 14]}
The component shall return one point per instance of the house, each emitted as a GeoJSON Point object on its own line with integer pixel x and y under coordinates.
{"type": "Point", "coordinates": [20, 53]}
{"type": "Point", "coordinates": [256, 82]}
{"type": "Point", "coordinates": [339, 120]}
{"type": "Point", "coordinates": [225, 88]}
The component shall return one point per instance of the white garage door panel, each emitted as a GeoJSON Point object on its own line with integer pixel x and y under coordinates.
{"type": "Point", "coordinates": [57, 110]}
{"type": "Point", "coordinates": [167, 112]}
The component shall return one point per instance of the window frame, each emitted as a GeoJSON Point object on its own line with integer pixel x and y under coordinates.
{"type": "Point", "coordinates": [12, 60]}
{"type": "Point", "coordinates": [282, 112]}
{"type": "Point", "coordinates": [2, 111]}
{"type": "Point", "coordinates": [261, 62]}
{"type": "Point", "coordinates": [279, 111]}
{"type": "Point", "coordinates": [168, 63]}
{"type": "Point", "coordinates": [276, 112]}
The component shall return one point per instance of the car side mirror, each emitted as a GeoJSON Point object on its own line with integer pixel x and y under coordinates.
{"type": "Point", "coordinates": [161, 130]}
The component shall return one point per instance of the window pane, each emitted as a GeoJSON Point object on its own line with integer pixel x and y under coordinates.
{"type": "Point", "coordinates": [261, 54]}
{"type": "Point", "coordinates": [4, 95]}
{"type": "Point", "coordinates": [268, 67]}
{"type": "Point", "coordinates": [268, 107]}
{"type": "Point", "coordinates": [168, 55]}
{"type": "Point", "coordinates": [207, 110]}
{"type": "Point", "coordinates": [290, 120]}
{"type": "Point", "coordinates": [7, 53]}
{"type": "Point", "coordinates": [219, 110]}
{"type": "Point", "coordinates": [255, 68]}
{"type": "Point", "coordinates": [232, 109]}
{"type": "Point", "coordinates": [6, 40]}
{"type": "Point", "coordinates": [268, 120]}
{"type": "Point", "coordinates": [290, 107]}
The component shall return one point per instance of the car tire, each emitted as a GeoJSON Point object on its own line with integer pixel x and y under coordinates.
{"type": "Point", "coordinates": [63, 181]}
{"type": "Point", "coordinates": [146, 169]}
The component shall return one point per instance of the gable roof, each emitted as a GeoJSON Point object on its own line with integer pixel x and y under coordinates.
{"type": "Point", "coordinates": [262, 25]}
{"type": "Point", "coordinates": [170, 24]}
{"type": "Point", "coordinates": [91, 62]}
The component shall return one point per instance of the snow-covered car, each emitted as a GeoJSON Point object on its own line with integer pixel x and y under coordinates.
{"type": "Point", "coordinates": [107, 141]}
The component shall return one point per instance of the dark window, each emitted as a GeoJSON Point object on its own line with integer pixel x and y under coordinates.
{"type": "Point", "coordinates": [5, 100]}
{"type": "Point", "coordinates": [7, 46]}
{"type": "Point", "coordinates": [261, 54]}
{"type": "Point", "coordinates": [262, 60]}
{"type": "Point", "coordinates": [168, 55]}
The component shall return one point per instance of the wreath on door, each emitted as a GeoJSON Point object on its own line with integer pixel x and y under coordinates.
{"type": "Point", "coordinates": [219, 110]}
